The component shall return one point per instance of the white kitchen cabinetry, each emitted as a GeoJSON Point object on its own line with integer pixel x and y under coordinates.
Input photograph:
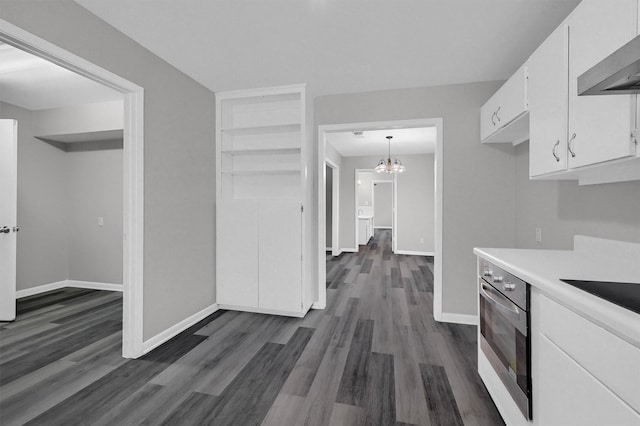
{"type": "Point", "coordinates": [567, 131]}
{"type": "Point", "coordinates": [548, 105]}
{"type": "Point", "coordinates": [581, 370]}
{"type": "Point", "coordinates": [365, 229]}
{"type": "Point", "coordinates": [503, 118]}
{"type": "Point", "coordinates": [260, 142]}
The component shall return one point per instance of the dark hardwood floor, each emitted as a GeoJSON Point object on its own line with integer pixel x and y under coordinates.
{"type": "Point", "coordinates": [375, 356]}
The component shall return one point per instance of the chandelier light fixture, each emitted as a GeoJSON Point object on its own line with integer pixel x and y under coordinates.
{"type": "Point", "coordinates": [389, 166]}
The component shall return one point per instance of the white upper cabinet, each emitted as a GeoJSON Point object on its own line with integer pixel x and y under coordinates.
{"type": "Point", "coordinates": [577, 137]}
{"type": "Point", "coordinates": [503, 116]}
{"type": "Point", "coordinates": [599, 126]}
{"type": "Point", "coordinates": [548, 105]}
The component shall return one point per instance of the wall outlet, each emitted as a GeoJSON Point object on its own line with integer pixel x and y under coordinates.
{"type": "Point", "coordinates": [538, 235]}
{"type": "Point", "coordinates": [101, 221]}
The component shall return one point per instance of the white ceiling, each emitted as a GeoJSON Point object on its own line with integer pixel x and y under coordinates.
{"type": "Point", "coordinates": [33, 83]}
{"type": "Point", "coordinates": [374, 142]}
{"type": "Point", "coordinates": [337, 46]}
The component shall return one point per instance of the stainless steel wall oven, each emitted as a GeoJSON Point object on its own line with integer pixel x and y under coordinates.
{"type": "Point", "coordinates": [504, 331]}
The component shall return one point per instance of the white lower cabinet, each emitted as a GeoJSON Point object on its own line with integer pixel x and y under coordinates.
{"type": "Point", "coordinates": [569, 395]}
{"type": "Point", "coordinates": [583, 375]}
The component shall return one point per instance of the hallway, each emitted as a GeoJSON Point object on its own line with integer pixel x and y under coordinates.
{"type": "Point", "coordinates": [375, 356]}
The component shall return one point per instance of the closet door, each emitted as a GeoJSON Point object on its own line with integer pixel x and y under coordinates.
{"type": "Point", "coordinates": [279, 255]}
{"type": "Point", "coordinates": [237, 252]}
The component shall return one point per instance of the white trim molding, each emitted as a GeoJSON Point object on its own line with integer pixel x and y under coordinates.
{"type": "Point", "coordinates": [459, 318]}
{"type": "Point", "coordinates": [415, 253]}
{"type": "Point", "coordinates": [300, 314]}
{"type": "Point", "coordinates": [133, 172]}
{"type": "Point", "coordinates": [94, 285]}
{"type": "Point", "coordinates": [178, 328]}
{"type": "Point", "coordinates": [40, 289]}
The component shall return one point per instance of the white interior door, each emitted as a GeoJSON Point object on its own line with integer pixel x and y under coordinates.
{"type": "Point", "coordinates": [8, 217]}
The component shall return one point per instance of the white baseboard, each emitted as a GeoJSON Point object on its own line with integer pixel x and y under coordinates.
{"type": "Point", "coordinates": [458, 318]}
{"type": "Point", "coordinates": [414, 253]}
{"type": "Point", "coordinates": [264, 311]}
{"type": "Point", "coordinates": [162, 337]}
{"type": "Point", "coordinates": [329, 249]}
{"type": "Point", "coordinates": [319, 305]}
{"type": "Point", "coordinates": [382, 227]}
{"type": "Point", "coordinates": [40, 289]}
{"type": "Point", "coordinates": [94, 285]}
{"type": "Point", "coordinates": [348, 250]}
{"type": "Point", "coordinates": [67, 283]}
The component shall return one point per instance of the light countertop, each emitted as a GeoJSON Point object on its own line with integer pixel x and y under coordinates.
{"type": "Point", "coordinates": [592, 259]}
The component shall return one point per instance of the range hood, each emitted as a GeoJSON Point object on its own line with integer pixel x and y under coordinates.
{"type": "Point", "coordinates": [617, 74]}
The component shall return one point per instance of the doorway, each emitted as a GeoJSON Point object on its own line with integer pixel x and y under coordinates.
{"type": "Point", "coordinates": [133, 162]}
{"type": "Point", "coordinates": [325, 150]}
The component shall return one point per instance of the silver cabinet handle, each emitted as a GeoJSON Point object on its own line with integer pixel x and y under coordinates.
{"type": "Point", "coordinates": [497, 112]}
{"type": "Point", "coordinates": [571, 151]}
{"type": "Point", "coordinates": [553, 151]}
{"type": "Point", "coordinates": [492, 118]}
{"type": "Point", "coordinates": [5, 230]}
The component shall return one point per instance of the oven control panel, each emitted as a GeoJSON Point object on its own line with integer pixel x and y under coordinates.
{"type": "Point", "coordinates": [506, 283]}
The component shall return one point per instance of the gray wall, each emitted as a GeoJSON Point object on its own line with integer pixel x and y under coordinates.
{"type": "Point", "coordinates": [478, 184]}
{"type": "Point", "coordinates": [94, 187]}
{"type": "Point", "coordinates": [179, 158]}
{"type": "Point", "coordinates": [416, 205]}
{"type": "Point", "coordinates": [42, 249]}
{"type": "Point", "coordinates": [383, 205]}
{"type": "Point", "coordinates": [563, 209]}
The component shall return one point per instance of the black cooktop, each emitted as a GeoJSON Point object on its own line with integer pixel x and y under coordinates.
{"type": "Point", "coordinates": [626, 295]}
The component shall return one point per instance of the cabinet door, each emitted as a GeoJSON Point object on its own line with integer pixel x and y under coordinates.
{"type": "Point", "coordinates": [601, 124]}
{"type": "Point", "coordinates": [569, 395]}
{"type": "Point", "coordinates": [237, 252]}
{"type": "Point", "coordinates": [509, 102]}
{"type": "Point", "coordinates": [548, 105]}
{"type": "Point", "coordinates": [280, 255]}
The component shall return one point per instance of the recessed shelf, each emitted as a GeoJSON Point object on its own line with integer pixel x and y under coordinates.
{"type": "Point", "coordinates": [260, 172]}
{"type": "Point", "coordinates": [279, 128]}
{"type": "Point", "coordinates": [273, 151]}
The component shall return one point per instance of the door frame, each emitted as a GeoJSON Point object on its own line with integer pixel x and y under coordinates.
{"type": "Point", "coordinates": [356, 246]}
{"type": "Point", "coordinates": [437, 122]}
{"type": "Point", "coordinates": [133, 172]}
{"type": "Point", "coordinates": [335, 207]}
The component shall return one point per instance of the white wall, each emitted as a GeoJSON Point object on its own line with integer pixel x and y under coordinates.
{"type": "Point", "coordinates": [563, 209]}
{"type": "Point", "coordinates": [478, 184]}
{"type": "Point", "coordinates": [96, 117]}
{"type": "Point", "coordinates": [179, 160]}
{"type": "Point", "coordinates": [329, 206]}
{"type": "Point", "coordinates": [42, 248]}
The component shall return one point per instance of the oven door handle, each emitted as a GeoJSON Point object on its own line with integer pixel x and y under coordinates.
{"type": "Point", "coordinates": [510, 309]}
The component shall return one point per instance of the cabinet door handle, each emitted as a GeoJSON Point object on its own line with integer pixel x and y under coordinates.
{"type": "Point", "coordinates": [569, 145]}
{"type": "Point", "coordinates": [492, 118]}
{"type": "Point", "coordinates": [497, 112]}
{"type": "Point", "coordinates": [553, 151]}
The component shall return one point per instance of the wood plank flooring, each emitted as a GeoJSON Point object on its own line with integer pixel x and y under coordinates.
{"type": "Point", "coordinates": [375, 356]}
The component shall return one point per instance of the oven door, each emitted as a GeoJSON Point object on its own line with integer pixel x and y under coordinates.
{"type": "Point", "coordinates": [505, 343]}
